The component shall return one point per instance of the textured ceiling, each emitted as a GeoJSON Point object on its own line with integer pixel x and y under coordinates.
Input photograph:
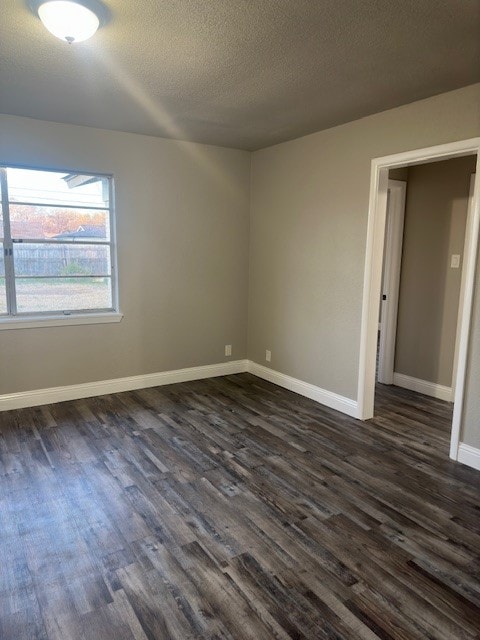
{"type": "Point", "coordinates": [239, 73]}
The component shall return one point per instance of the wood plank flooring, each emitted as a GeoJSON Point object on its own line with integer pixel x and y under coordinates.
{"type": "Point", "coordinates": [232, 509]}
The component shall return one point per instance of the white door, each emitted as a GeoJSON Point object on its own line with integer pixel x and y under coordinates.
{"type": "Point", "coordinates": [392, 262]}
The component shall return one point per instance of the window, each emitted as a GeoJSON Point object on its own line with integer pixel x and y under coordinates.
{"type": "Point", "coordinates": [57, 252]}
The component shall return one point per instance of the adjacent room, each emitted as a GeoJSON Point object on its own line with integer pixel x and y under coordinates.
{"type": "Point", "coordinates": [239, 320]}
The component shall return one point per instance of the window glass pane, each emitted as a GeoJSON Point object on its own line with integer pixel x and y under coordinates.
{"type": "Point", "coordinates": [3, 291]}
{"type": "Point", "coordinates": [70, 259]}
{"type": "Point", "coordinates": [49, 187]}
{"type": "Point", "coordinates": [30, 222]}
{"type": "Point", "coordinates": [63, 294]}
{"type": "Point", "coordinates": [60, 227]}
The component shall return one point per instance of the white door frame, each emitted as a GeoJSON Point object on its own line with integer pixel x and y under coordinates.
{"type": "Point", "coordinates": [373, 273]}
{"type": "Point", "coordinates": [463, 282]}
{"type": "Point", "coordinates": [392, 264]}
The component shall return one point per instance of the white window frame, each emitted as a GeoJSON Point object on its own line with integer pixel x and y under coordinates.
{"type": "Point", "coordinates": [26, 320]}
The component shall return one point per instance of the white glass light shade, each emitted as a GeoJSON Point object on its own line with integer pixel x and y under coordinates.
{"type": "Point", "coordinates": [68, 20]}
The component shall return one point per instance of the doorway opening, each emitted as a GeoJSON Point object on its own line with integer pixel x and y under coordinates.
{"type": "Point", "coordinates": [381, 286]}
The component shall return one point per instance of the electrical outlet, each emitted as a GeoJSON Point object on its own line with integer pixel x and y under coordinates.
{"type": "Point", "coordinates": [268, 355]}
{"type": "Point", "coordinates": [228, 349]}
{"type": "Point", "coordinates": [455, 262]}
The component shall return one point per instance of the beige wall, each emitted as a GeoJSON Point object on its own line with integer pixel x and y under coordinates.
{"type": "Point", "coordinates": [435, 221]}
{"type": "Point", "coordinates": [308, 230]}
{"type": "Point", "coordinates": [182, 227]}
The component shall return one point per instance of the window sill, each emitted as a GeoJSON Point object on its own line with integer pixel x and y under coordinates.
{"type": "Point", "coordinates": [59, 321]}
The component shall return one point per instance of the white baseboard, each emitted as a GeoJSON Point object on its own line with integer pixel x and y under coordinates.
{"type": "Point", "coordinates": [423, 386]}
{"type": "Point", "coordinates": [327, 398]}
{"type": "Point", "coordinates": [89, 389]}
{"type": "Point", "coordinates": [469, 455]}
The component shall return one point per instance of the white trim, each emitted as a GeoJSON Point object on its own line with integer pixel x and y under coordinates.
{"type": "Point", "coordinates": [58, 321]}
{"type": "Point", "coordinates": [372, 282]}
{"type": "Point", "coordinates": [438, 152]}
{"type": "Point", "coordinates": [54, 318]}
{"type": "Point", "coordinates": [89, 389]}
{"type": "Point", "coordinates": [468, 233]}
{"type": "Point", "coordinates": [392, 265]}
{"type": "Point", "coordinates": [423, 386]}
{"type": "Point", "coordinates": [327, 398]}
{"type": "Point", "coordinates": [468, 283]}
{"type": "Point", "coordinates": [373, 273]}
{"type": "Point", "coordinates": [469, 455]}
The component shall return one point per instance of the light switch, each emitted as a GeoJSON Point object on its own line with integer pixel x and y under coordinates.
{"type": "Point", "coordinates": [455, 262]}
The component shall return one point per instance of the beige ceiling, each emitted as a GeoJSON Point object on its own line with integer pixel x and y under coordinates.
{"type": "Point", "coordinates": [239, 73]}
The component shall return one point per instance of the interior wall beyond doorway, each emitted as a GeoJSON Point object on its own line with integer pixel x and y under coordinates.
{"type": "Point", "coordinates": [435, 222]}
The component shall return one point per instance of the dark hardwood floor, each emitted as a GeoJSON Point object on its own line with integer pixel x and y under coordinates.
{"type": "Point", "coordinates": [232, 509]}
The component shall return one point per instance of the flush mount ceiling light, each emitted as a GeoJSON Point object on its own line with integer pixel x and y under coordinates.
{"type": "Point", "coordinates": [70, 20]}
